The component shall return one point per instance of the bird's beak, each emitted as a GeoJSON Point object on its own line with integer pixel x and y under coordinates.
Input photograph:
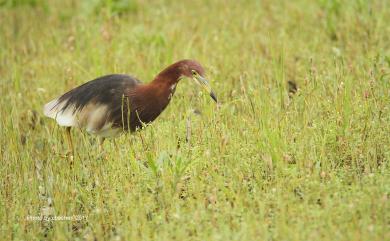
{"type": "Point", "coordinates": [206, 86]}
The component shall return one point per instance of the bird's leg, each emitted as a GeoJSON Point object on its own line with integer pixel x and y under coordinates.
{"type": "Point", "coordinates": [115, 143]}
{"type": "Point", "coordinates": [102, 153]}
{"type": "Point", "coordinates": [142, 140]}
{"type": "Point", "coordinates": [101, 141]}
{"type": "Point", "coordinates": [70, 144]}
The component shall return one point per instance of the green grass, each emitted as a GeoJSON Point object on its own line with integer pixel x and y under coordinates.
{"type": "Point", "coordinates": [260, 165]}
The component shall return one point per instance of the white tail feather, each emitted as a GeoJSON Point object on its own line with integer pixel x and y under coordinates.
{"type": "Point", "coordinates": [50, 109]}
{"type": "Point", "coordinates": [93, 117]}
{"type": "Point", "coordinates": [66, 117]}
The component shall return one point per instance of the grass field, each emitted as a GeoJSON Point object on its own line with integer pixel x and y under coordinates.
{"type": "Point", "coordinates": [263, 164]}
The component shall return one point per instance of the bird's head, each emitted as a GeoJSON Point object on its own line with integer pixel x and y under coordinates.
{"type": "Point", "coordinates": [194, 70]}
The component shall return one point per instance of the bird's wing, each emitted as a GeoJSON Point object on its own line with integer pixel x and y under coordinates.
{"type": "Point", "coordinates": [89, 104]}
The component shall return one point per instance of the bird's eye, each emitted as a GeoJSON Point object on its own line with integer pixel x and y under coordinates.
{"type": "Point", "coordinates": [193, 72]}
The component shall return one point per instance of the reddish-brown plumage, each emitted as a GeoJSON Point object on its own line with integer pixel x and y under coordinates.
{"type": "Point", "coordinates": [112, 103]}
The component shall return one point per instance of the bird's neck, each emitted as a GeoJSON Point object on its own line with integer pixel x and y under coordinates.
{"type": "Point", "coordinates": [166, 82]}
{"type": "Point", "coordinates": [168, 77]}
{"type": "Point", "coordinates": [164, 86]}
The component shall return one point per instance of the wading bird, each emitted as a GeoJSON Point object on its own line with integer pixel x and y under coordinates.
{"type": "Point", "coordinates": [112, 104]}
